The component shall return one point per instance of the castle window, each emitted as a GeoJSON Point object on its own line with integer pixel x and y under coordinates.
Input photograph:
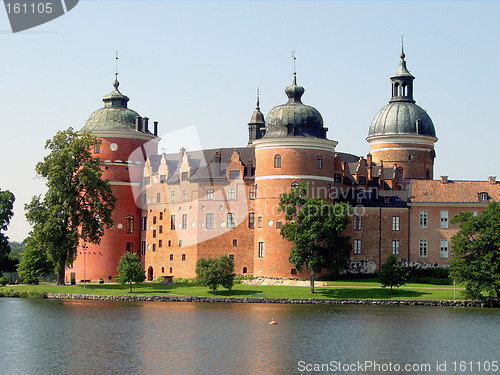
{"type": "Point", "coordinates": [409, 157]}
{"type": "Point", "coordinates": [395, 223]}
{"type": "Point", "coordinates": [337, 177]}
{"type": "Point", "coordinates": [423, 218]}
{"type": "Point", "coordinates": [160, 229]}
{"type": "Point", "coordinates": [171, 256]}
{"type": "Point", "coordinates": [147, 180]}
{"type": "Point", "coordinates": [210, 193]}
{"type": "Point", "coordinates": [130, 224]}
{"type": "Point", "coordinates": [180, 243]}
{"type": "Point", "coordinates": [245, 270]}
{"type": "Point", "coordinates": [259, 222]}
{"type": "Point", "coordinates": [395, 247]}
{"type": "Point", "coordinates": [172, 196]}
{"type": "Point", "coordinates": [154, 219]}
{"type": "Point", "coordinates": [209, 221]}
{"type": "Point", "coordinates": [231, 257]}
{"type": "Point", "coordinates": [278, 224]}
{"type": "Point", "coordinates": [97, 148]}
{"type": "Point", "coordinates": [403, 89]}
{"type": "Point", "coordinates": [230, 220]}
{"type": "Point", "coordinates": [362, 180]}
{"type": "Point", "coordinates": [154, 233]}
{"type": "Point", "coordinates": [483, 196]}
{"type": "Point", "coordinates": [261, 250]}
{"type": "Point", "coordinates": [234, 174]}
{"type": "Point", "coordinates": [144, 223]}
{"type": "Point", "coordinates": [251, 220]}
{"type": "Point", "coordinates": [161, 215]}
{"type": "Point", "coordinates": [143, 247]}
{"type": "Point", "coordinates": [294, 184]}
{"type": "Point", "coordinates": [356, 247]}
{"type": "Point", "coordinates": [293, 271]}
{"type": "Point", "coordinates": [183, 257]}
{"type": "Point", "coordinates": [163, 178]}
{"type": "Point", "coordinates": [160, 243]}
{"type": "Point", "coordinates": [423, 249]}
{"type": "Point", "coordinates": [356, 222]}
{"type": "Point", "coordinates": [184, 176]}
{"type": "Point", "coordinates": [162, 269]}
{"type": "Point", "coordinates": [158, 197]}
{"type": "Point", "coordinates": [444, 248]}
{"type": "Point", "coordinates": [154, 247]}
{"type": "Point", "coordinates": [251, 194]}
{"type": "Point", "coordinates": [444, 219]}
{"type": "Point", "coordinates": [184, 221]}
{"type": "Point", "coordinates": [319, 162]}
{"type": "Point", "coordinates": [170, 269]}
{"type": "Point", "coordinates": [400, 173]}
{"type": "Point", "coordinates": [184, 195]}
{"type": "Point", "coordinates": [170, 245]}
{"type": "Point", "coordinates": [231, 194]}
{"type": "Point", "coordinates": [277, 161]}
{"type": "Point", "coordinates": [172, 222]}
{"type": "Point", "coordinates": [235, 242]}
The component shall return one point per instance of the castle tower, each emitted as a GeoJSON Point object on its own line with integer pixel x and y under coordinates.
{"type": "Point", "coordinates": [256, 126]}
{"type": "Point", "coordinates": [294, 148]}
{"type": "Point", "coordinates": [126, 142]}
{"type": "Point", "coordinates": [402, 134]}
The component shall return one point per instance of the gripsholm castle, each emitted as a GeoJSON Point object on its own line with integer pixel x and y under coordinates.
{"type": "Point", "coordinates": [173, 209]}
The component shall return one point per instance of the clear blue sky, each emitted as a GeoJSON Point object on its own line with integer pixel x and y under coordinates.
{"type": "Point", "coordinates": [197, 65]}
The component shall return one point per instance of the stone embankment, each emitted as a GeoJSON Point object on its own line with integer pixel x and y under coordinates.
{"type": "Point", "coordinates": [316, 301]}
{"type": "Point", "coordinates": [286, 282]}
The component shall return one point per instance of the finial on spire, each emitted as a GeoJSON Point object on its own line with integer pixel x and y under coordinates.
{"type": "Point", "coordinates": [402, 55]}
{"type": "Point", "coordinates": [294, 68]}
{"type": "Point", "coordinates": [116, 83]}
{"type": "Point", "coordinates": [258, 99]}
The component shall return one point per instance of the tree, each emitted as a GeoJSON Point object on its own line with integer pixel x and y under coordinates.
{"type": "Point", "coordinates": [35, 262]}
{"type": "Point", "coordinates": [213, 272]}
{"type": "Point", "coordinates": [392, 274]}
{"type": "Point", "coordinates": [476, 250]}
{"type": "Point", "coordinates": [315, 228]}
{"type": "Point", "coordinates": [129, 270]}
{"type": "Point", "coordinates": [78, 202]}
{"type": "Point", "coordinates": [7, 262]}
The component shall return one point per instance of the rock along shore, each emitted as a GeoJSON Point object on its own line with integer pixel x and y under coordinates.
{"type": "Point", "coordinates": [313, 301]}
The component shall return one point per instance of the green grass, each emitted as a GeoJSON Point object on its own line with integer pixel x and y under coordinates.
{"type": "Point", "coordinates": [349, 289]}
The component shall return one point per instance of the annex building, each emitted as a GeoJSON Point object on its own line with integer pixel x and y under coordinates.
{"type": "Point", "coordinates": [173, 209]}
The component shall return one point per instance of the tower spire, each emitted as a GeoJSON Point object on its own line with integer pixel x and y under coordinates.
{"type": "Point", "coordinates": [402, 48]}
{"type": "Point", "coordinates": [294, 68]}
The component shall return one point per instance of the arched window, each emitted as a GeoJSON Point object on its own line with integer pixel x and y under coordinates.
{"type": "Point", "coordinates": [404, 89]}
{"type": "Point", "coordinates": [277, 161]}
{"type": "Point", "coordinates": [130, 224]}
{"type": "Point", "coordinates": [319, 162]}
{"type": "Point", "coordinates": [396, 89]}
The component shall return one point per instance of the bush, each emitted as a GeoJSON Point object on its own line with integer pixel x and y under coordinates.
{"type": "Point", "coordinates": [3, 281]}
{"type": "Point", "coordinates": [101, 280]}
{"type": "Point", "coordinates": [438, 276]}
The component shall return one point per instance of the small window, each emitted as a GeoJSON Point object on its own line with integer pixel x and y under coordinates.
{"type": "Point", "coordinates": [356, 222]}
{"type": "Point", "coordinates": [356, 247]}
{"type": "Point", "coordinates": [97, 149]}
{"type": "Point", "coordinates": [154, 247]}
{"type": "Point", "coordinates": [400, 173]}
{"type": "Point", "coordinates": [170, 244]}
{"type": "Point", "coordinates": [423, 249]}
{"type": "Point", "coordinates": [261, 250]}
{"type": "Point", "coordinates": [251, 194]}
{"type": "Point", "coordinates": [184, 176]}
{"type": "Point", "coordinates": [234, 174]}
{"type": "Point", "coordinates": [158, 197]}
{"type": "Point", "coordinates": [277, 161]}
{"type": "Point", "coordinates": [180, 243]}
{"type": "Point", "coordinates": [444, 219]}
{"type": "Point", "coordinates": [278, 225]}
{"type": "Point", "coordinates": [160, 243]}
{"type": "Point", "coordinates": [160, 229]}
{"type": "Point", "coordinates": [163, 178]}
{"type": "Point", "coordinates": [395, 247]}
{"type": "Point", "coordinates": [161, 215]}
{"type": "Point", "coordinates": [130, 224]}
{"type": "Point", "coordinates": [172, 196]}
{"type": "Point", "coordinates": [147, 180]}
{"type": "Point", "coordinates": [337, 177]}
{"type": "Point", "coordinates": [209, 221]}
{"type": "Point", "coordinates": [162, 269]}
{"type": "Point", "coordinates": [170, 270]}
{"type": "Point", "coordinates": [319, 162]}
{"type": "Point", "coordinates": [184, 221]}
{"type": "Point", "coordinates": [483, 196]}
{"type": "Point", "coordinates": [154, 233]}
{"type": "Point", "coordinates": [231, 257]}
{"type": "Point", "coordinates": [143, 248]}
{"type": "Point", "coordinates": [231, 194]}
{"type": "Point", "coordinates": [235, 242]}
{"type": "Point", "coordinates": [172, 222]}
{"type": "Point", "coordinates": [251, 220]}
{"type": "Point", "coordinates": [230, 220]}
{"type": "Point", "coordinates": [293, 271]}
{"type": "Point", "coordinates": [154, 219]}
{"type": "Point", "coordinates": [171, 256]}
{"type": "Point", "coordinates": [362, 180]}
{"type": "Point", "coordinates": [294, 184]}
{"type": "Point", "coordinates": [444, 248]}
{"type": "Point", "coordinates": [423, 218]}
{"type": "Point", "coordinates": [259, 222]}
{"type": "Point", "coordinates": [183, 257]}
{"type": "Point", "coordinates": [210, 193]}
{"type": "Point", "coordinates": [395, 223]}
{"type": "Point", "coordinates": [184, 195]}
{"type": "Point", "coordinates": [245, 270]}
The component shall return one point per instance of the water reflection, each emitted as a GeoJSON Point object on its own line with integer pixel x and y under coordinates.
{"type": "Point", "coordinates": [97, 337]}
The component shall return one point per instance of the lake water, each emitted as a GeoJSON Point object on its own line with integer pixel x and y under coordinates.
{"type": "Point", "coordinates": [98, 337]}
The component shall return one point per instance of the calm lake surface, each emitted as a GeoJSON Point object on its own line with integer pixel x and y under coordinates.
{"type": "Point", "coordinates": [98, 337]}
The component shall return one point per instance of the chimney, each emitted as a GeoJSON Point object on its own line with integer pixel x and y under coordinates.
{"type": "Point", "coordinates": [492, 180]}
{"type": "Point", "coordinates": [444, 179]}
{"type": "Point", "coordinates": [156, 127]}
{"type": "Point", "coordinates": [369, 159]}
{"type": "Point", "coordinates": [145, 122]}
{"type": "Point", "coordinates": [138, 123]}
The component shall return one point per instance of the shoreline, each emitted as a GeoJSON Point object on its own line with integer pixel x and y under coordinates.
{"type": "Point", "coordinates": [311, 301]}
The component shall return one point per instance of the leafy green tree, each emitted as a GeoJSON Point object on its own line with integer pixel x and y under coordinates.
{"type": "Point", "coordinates": [78, 202]}
{"type": "Point", "coordinates": [129, 270]}
{"type": "Point", "coordinates": [393, 274]}
{"type": "Point", "coordinates": [35, 262]}
{"type": "Point", "coordinates": [315, 228]}
{"type": "Point", "coordinates": [7, 262]}
{"type": "Point", "coordinates": [476, 250]}
{"type": "Point", "coordinates": [213, 272]}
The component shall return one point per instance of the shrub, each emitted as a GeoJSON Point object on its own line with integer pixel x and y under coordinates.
{"type": "Point", "coordinates": [101, 280]}
{"type": "Point", "coordinates": [3, 281]}
{"type": "Point", "coordinates": [213, 272]}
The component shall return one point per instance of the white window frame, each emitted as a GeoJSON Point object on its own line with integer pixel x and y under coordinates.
{"type": "Point", "coordinates": [444, 219]}
{"type": "Point", "coordinates": [444, 248]}
{"type": "Point", "coordinates": [423, 218]}
{"type": "Point", "coordinates": [231, 194]}
{"type": "Point", "coordinates": [395, 223]}
{"type": "Point", "coordinates": [356, 247]}
{"type": "Point", "coordinates": [210, 221]}
{"type": "Point", "coordinates": [422, 249]}
{"type": "Point", "coordinates": [395, 247]}
{"type": "Point", "coordinates": [261, 250]}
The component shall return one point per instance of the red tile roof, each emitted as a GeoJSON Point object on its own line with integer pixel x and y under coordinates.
{"type": "Point", "coordinates": [427, 191]}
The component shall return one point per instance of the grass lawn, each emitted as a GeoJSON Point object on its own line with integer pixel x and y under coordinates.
{"type": "Point", "coordinates": [351, 289]}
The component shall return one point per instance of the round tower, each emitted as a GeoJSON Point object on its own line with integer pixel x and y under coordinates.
{"type": "Point", "coordinates": [402, 134]}
{"type": "Point", "coordinates": [294, 148]}
{"type": "Point", "coordinates": [126, 142]}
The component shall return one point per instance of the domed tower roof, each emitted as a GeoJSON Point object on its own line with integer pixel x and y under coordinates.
{"type": "Point", "coordinates": [114, 116]}
{"type": "Point", "coordinates": [294, 119]}
{"type": "Point", "coordinates": [402, 116]}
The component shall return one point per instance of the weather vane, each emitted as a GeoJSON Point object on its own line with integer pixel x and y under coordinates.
{"type": "Point", "coordinates": [294, 58]}
{"type": "Point", "coordinates": [116, 63]}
